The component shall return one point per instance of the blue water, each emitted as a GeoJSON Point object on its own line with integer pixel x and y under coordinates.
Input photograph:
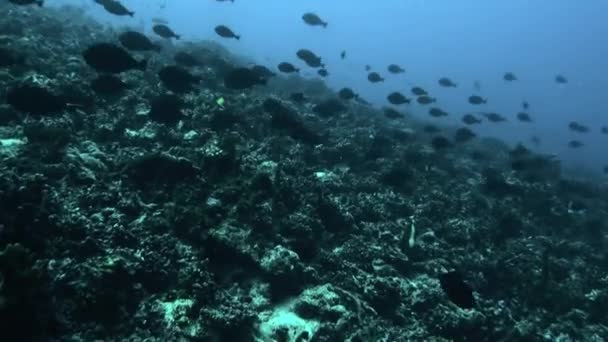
{"type": "Point", "coordinates": [466, 40]}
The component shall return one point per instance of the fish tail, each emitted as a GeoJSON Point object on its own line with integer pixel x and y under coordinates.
{"type": "Point", "coordinates": [237, 37]}
{"type": "Point", "coordinates": [131, 14]}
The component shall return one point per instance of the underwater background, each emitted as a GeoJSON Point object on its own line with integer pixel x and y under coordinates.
{"type": "Point", "coordinates": [303, 170]}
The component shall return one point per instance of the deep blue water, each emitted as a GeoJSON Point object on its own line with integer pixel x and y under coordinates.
{"type": "Point", "coordinates": [468, 41]}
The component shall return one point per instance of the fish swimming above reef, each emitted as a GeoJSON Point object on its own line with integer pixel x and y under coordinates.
{"type": "Point", "coordinates": [164, 31]}
{"type": "Point", "coordinates": [561, 79]}
{"type": "Point", "coordinates": [477, 100]}
{"type": "Point", "coordinates": [470, 119]}
{"type": "Point", "coordinates": [108, 85]}
{"type": "Point", "coordinates": [395, 69]}
{"type": "Point", "coordinates": [347, 94]}
{"type": "Point", "coordinates": [137, 41]}
{"type": "Point", "coordinates": [578, 127]}
{"type": "Point", "coordinates": [287, 68]}
{"type": "Point", "coordinates": [494, 117]}
{"type": "Point", "coordinates": [243, 78]}
{"type": "Point", "coordinates": [111, 58]}
{"type": "Point", "coordinates": [425, 100]}
{"type": "Point", "coordinates": [313, 20]}
{"type": "Point", "coordinates": [396, 98]}
{"type": "Point", "coordinates": [186, 59]}
{"type": "Point", "coordinates": [446, 82]}
{"type": "Point", "coordinates": [509, 77]}
{"type": "Point", "coordinates": [374, 77]}
{"type": "Point", "coordinates": [419, 91]}
{"type": "Point", "coordinates": [46, 102]}
{"type": "Point", "coordinates": [437, 112]}
{"type": "Point", "coordinates": [225, 32]}
{"type": "Point", "coordinates": [524, 117]}
{"type": "Point", "coordinates": [178, 79]}
{"type": "Point", "coordinates": [310, 58]}
{"type": "Point", "coordinates": [115, 7]}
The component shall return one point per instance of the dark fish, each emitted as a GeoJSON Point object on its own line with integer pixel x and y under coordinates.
{"type": "Point", "coordinates": [604, 129]}
{"type": "Point", "coordinates": [178, 79]}
{"type": "Point", "coordinates": [368, 68]}
{"type": "Point", "coordinates": [347, 94]}
{"type": "Point", "coordinates": [525, 105]}
{"type": "Point", "coordinates": [27, 2]}
{"type": "Point", "coordinates": [298, 97]}
{"type": "Point", "coordinates": [561, 79]}
{"type": "Point", "coordinates": [374, 77]}
{"type": "Point", "coordinates": [577, 127]}
{"type": "Point", "coordinates": [35, 100]}
{"type": "Point", "coordinates": [457, 290]}
{"type": "Point", "coordinates": [164, 31]}
{"type": "Point", "coordinates": [419, 91]}
{"type": "Point", "coordinates": [186, 59]}
{"type": "Point", "coordinates": [575, 144]}
{"type": "Point", "coordinates": [108, 85]}
{"type": "Point", "coordinates": [111, 58]}
{"type": "Point", "coordinates": [115, 7]}
{"type": "Point", "coordinates": [262, 71]}
{"type": "Point", "coordinates": [9, 58]}
{"type": "Point", "coordinates": [524, 117]}
{"type": "Point", "coordinates": [137, 41]}
{"type": "Point", "coordinates": [509, 76]}
{"type": "Point", "coordinates": [424, 100]}
{"type": "Point", "coordinates": [470, 119]}
{"type": "Point", "coordinates": [393, 113]}
{"type": "Point", "coordinates": [323, 72]}
{"type": "Point", "coordinates": [494, 117]}
{"type": "Point", "coordinates": [477, 100]}
{"type": "Point", "coordinates": [287, 68]}
{"type": "Point", "coordinates": [242, 78]}
{"type": "Point", "coordinates": [343, 54]}
{"type": "Point", "coordinates": [166, 109]}
{"type": "Point", "coordinates": [441, 143]}
{"type": "Point", "coordinates": [446, 82]}
{"type": "Point", "coordinates": [226, 32]}
{"type": "Point", "coordinates": [395, 69]}
{"type": "Point", "coordinates": [311, 59]}
{"type": "Point", "coordinates": [437, 112]}
{"type": "Point", "coordinates": [397, 98]}
{"type": "Point", "coordinates": [313, 20]}
{"type": "Point", "coordinates": [329, 108]}
{"type": "Point", "coordinates": [463, 135]}
{"type": "Point", "coordinates": [605, 169]}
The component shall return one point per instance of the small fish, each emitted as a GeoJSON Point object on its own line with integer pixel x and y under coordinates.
{"type": "Point", "coordinates": [397, 98]}
{"type": "Point", "coordinates": [115, 7]}
{"type": "Point", "coordinates": [108, 85]}
{"type": "Point", "coordinates": [477, 100]}
{"type": "Point", "coordinates": [310, 58]}
{"type": "Point", "coordinates": [437, 112]}
{"type": "Point", "coordinates": [524, 117]}
{"type": "Point", "coordinates": [343, 54]}
{"type": "Point", "coordinates": [441, 143]}
{"type": "Point", "coordinates": [575, 144]}
{"type": "Point", "coordinates": [494, 117]}
{"type": "Point", "coordinates": [287, 68]}
{"type": "Point", "coordinates": [225, 32]}
{"type": "Point", "coordinates": [525, 105]}
{"type": "Point", "coordinates": [262, 71]}
{"type": "Point", "coordinates": [347, 94]}
{"type": "Point", "coordinates": [463, 135]}
{"type": "Point", "coordinates": [166, 109]}
{"type": "Point", "coordinates": [323, 72]}
{"type": "Point", "coordinates": [186, 59]}
{"type": "Point", "coordinates": [604, 129]}
{"type": "Point", "coordinates": [393, 113]}
{"type": "Point", "coordinates": [395, 69]}
{"type": "Point", "coordinates": [313, 20]}
{"type": "Point", "coordinates": [424, 100]}
{"type": "Point", "coordinates": [419, 91]}
{"type": "Point", "coordinates": [470, 119]}
{"type": "Point", "coordinates": [27, 2]}
{"type": "Point", "coordinates": [446, 82]}
{"type": "Point", "coordinates": [509, 77]}
{"type": "Point", "coordinates": [137, 41]}
{"type": "Point", "coordinates": [164, 31]}
{"type": "Point", "coordinates": [561, 79]}
{"type": "Point", "coordinates": [45, 103]}
{"type": "Point", "coordinates": [242, 78]}
{"type": "Point", "coordinates": [374, 77]}
{"type": "Point", "coordinates": [178, 79]}
{"type": "Point", "coordinates": [111, 58]}
{"type": "Point", "coordinates": [577, 127]}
